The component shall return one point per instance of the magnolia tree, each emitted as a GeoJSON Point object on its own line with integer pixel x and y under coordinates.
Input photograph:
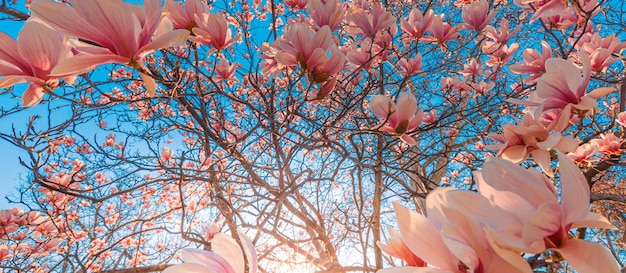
{"type": "Point", "coordinates": [315, 136]}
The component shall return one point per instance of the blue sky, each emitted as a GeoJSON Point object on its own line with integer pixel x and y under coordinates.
{"type": "Point", "coordinates": [10, 169]}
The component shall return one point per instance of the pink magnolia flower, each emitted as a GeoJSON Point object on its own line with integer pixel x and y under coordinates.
{"type": "Point", "coordinates": [476, 16]}
{"type": "Point", "coordinates": [531, 138]}
{"type": "Point", "coordinates": [473, 68]}
{"type": "Point", "coordinates": [534, 62]}
{"type": "Point", "coordinates": [226, 257]}
{"type": "Point", "coordinates": [430, 117]}
{"type": "Point", "coordinates": [608, 144]}
{"type": "Point", "coordinates": [296, 4]}
{"type": "Point", "coordinates": [122, 33]}
{"type": "Point", "coordinates": [37, 51]}
{"type": "Point", "coordinates": [542, 8]}
{"type": "Point", "coordinates": [369, 22]}
{"type": "Point", "coordinates": [545, 219]}
{"type": "Point", "coordinates": [440, 32]}
{"type": "Point", "coordinates": [450, 241]}
{"type": "Point", "coordinates": [212, 230]}
{"type": "Point", "coordinates": [225, 71]}
{"type": "Point", "coordinates": [396, 247]}
{"type": "Point", "coordinates": [600, 50]}
{"type": "Point", "coordinates": [363, 57]}
{"type": "Point", "coordinates": [213, 30]}
{"type": "Point", "coordinates": [326, 13]}
{"type": "Point", "coordinates": [548, 8]}
{"type": "Point", "coordinates": [270, 66]}
{"type": "Point", "coordinates": [416, 24]}
{"type": "Point", "coordinates": [584, 154]}
{"type": "Point", "coordinates": [401, 117]}
{"type": "Point", "coordinates": [564, 84]}
{"type": "Point", "coordinates": [411, 66]}
{"type": "Point", "coordinates": [5, 252]}
{"type": "Point", "coordinates": [501, 55]}
{"type": "Point", "coordinates": [310, 50]}
{"type": "Point", "coordinates": [7, 222]}
{"type": "Point", "coordinates": [501, 35]}
{"type": "Point", "coordinates": [185, 17]}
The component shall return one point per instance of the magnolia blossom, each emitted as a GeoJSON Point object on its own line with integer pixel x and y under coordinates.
{"type": "Point", "coordinates": [473, 68]}
{"type": "Point", "coordinates": [530, 137]}
{"type": "Point", "coordinates": [226, 257]}
{"type": "Point", "coordinates": [416, 24]}
{"type": "Point", "coordinates": [448, 240]}
{"type": "Point", "coordinates": [310, 50]}
{"type": "Point", "coordinates": [476, 16]}
{"type": "Point", "coordinates": [296, 4]}
{"type": "Point", "coordinates": [369, 22]}
{"type": "Point", "coordinates": [396, 247]}
{"type": "Point", "coordinates": [185, 17]}
{"type": "Point", "coordinates": [534, 62]}
{"type": "Point", "coordinates": [121, 32]}
{"type": "Point", "coordinates": [564, 84]}
{"type": "Point", "coordinates": [410, 66]}
{"type": "Point", "coordinates": [401, 117]}
{"type": "Point", "coordinates": [584, 154]}
{"type": "Point", "coordinates": [440, 32]}
{"type": "Point", "coordinates": [600, 50]}
{"type": "Point", "coordinates": [37, 51]}
{"type": "Point", "coordinates": [213, 30]}
{"type": "Point", "coordinates": [608, 144]}
{"type": "Point", "coordinates": [326, 13]}
{"type": "Point", "coordinates": [502, 35]}
{"type": "Point", "coordinates": [225, 70]}
{"type": "Point", "coordinates": [542, 221]}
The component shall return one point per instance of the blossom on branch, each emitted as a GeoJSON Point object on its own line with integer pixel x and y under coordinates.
{"type": "Point", "coordinates": [185, 17]}
{"type": "Point", "coordinates": [109, 31]}
{"type": "Point", "coordinates": [546, 220]}
{"type": "Point", "coordinates": [477, 16]}
{"type": "Point", "coordinates": [401, 117]}
{"type": "Point", "coordinates": [326, 13]}
{"type": "Point", "coordinates": [37, 51]}
{"type": "Point", "coordinates": [213, 30]}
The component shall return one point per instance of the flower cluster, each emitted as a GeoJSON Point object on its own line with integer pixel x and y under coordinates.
{"type": "Point", "coordinates": [517, 211]}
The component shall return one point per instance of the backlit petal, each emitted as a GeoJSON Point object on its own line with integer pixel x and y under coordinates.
{"type": "Point", "coordinates": [575, 190]}
{"type": "Point", "coordinates": [423, 239]}
{"type": "Point", "coordinates": [226, 247]}
{"type": "Point", "coordinates": [588, 257]}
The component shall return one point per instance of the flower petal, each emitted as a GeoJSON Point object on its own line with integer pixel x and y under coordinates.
{"type": "Point", "coordinates": [575, 190]}
{"type": "Point", "coordinates": [206, 259]}
{"type": "Point", "coordinates": [249, 250]}
{"type": "Point", "coordinates": [381, 106]}
{"type": "Point", "coordinates": [32, 96]}
{"type": "Point", "coordinates": [507, 180]}
{"type": "Point", "coordinates": [191, 268]}
{"type": "Point", "coordinates": [588, 257]}
{"type": "Point", "coordinates": [82, 63]}
{"type": "Point", "coordinates": [595, 220]}
{"type": "Point", "coordinates": [545, 222]}
{"type": "Point", "coordinates": [423, 239]}
{"type": "Point", "coordinates": [226, 247]}
{"type": "Point", "coordinates": [41, 47]}
{"type": "Point", "coordinates": [164, 41]}
{"type": "Point", "coordinates": [62, 17]}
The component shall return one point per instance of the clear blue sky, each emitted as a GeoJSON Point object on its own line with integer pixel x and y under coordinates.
{"type": "Point", "coordinates": [10, 169]}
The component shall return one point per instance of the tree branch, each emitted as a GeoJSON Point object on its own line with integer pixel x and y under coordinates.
{"type": "Point", "coordinates": [608, 197]}
{"type": "Point", "coordinates": [15, 13]}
